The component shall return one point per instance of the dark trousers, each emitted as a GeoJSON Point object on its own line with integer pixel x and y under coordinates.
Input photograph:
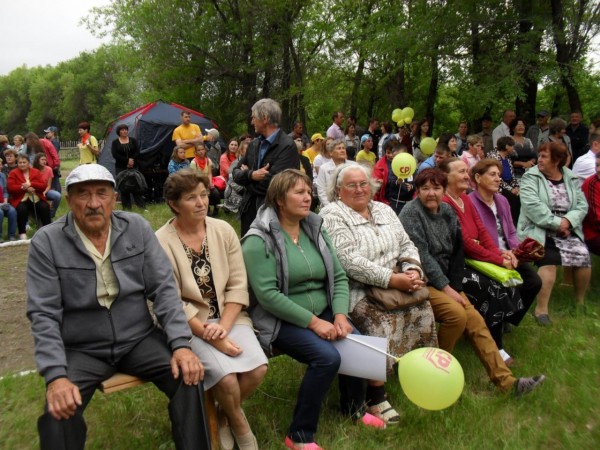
{"type": "Point", "coordinates": [149, 360]}
{"type": "Point", "coordinates": [40, 210]}
{"type": "Point", "coordinates": [248, 214]}
{"type": "Point", "coordinates": [532, 283]}
{"type": "Point", "coordinates": [323, 362]}
{"type": "Point", "coordinates": [515, 204]}
{"type": "Point", "coordinates": [138, 199]}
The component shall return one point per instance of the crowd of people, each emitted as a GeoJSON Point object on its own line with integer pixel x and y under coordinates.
{"type": "Point", "coordinates": [29, 181]}
{"type": "Point", "coordinates": [325, 225]}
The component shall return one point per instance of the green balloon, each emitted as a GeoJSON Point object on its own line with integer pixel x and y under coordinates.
{"type": "Point", "coordinates": [404, 165]}
{"type": "Point", "coordinates": [427, 146]}
{"type": "Point", "coordinates": [397, 115]}
{"type": "Point", "coordinates": [431, 378]}
{"type": "Point", "coordinates": [408, 113]}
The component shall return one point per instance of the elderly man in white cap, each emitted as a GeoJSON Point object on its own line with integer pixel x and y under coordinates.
{"type": "Point", "coordinates": [88, 278]}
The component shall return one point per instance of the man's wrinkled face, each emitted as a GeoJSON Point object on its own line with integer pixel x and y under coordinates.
{"type": "Point", "coordinates": [92, 204]}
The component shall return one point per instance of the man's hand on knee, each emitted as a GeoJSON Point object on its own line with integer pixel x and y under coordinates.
{"type": "Point", "coordinates": [186, 362]}
{"type": "Point", "coordinates": [63, 398]}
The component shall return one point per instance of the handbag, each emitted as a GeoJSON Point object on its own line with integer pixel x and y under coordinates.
{"type": "Point", "coordinates": [529, 250]}
{"type": "Point", "coordinates": [389, 299]}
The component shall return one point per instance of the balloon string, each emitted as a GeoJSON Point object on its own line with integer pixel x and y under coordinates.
{"type": "Point", "coordinates": [371, 347]}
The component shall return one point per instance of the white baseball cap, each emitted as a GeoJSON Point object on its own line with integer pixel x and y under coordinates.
{"type": "Point", "coordinates": [89, 172]}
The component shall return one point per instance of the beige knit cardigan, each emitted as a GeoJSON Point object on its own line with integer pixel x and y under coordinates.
{"type": "Point", "coordinates": [227, 263]}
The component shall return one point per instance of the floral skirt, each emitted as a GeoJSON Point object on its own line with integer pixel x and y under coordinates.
{"type": "Point", "coordinates": [406, 329]}
{"type": "Point", "coordinates": [495, 303]}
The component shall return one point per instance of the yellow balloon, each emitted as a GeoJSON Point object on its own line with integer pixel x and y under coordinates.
{"type": "Point", "coordinates": [408, 120]}
{"type": "Point", "coordinates": [397, 115]}
{"type": "Point", "coordinates": [427, 146]}
{"type": "Point", "coordinates": [404, 165]}
{"type": "Point", "coordinates": [408, 113]}
{"type": "Point", "coordinates": [431, 378]}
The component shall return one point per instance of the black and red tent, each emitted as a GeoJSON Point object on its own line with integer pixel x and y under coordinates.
{"type": "Point", "coordinates": [152, 125]}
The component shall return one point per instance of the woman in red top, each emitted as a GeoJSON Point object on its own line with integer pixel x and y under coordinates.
{"type": "Point", "coordinates": [228, 157]}
{"type": "Point", "coordinates": [26, 188]}
{"type": "Point", "coordinates": [495, 302]}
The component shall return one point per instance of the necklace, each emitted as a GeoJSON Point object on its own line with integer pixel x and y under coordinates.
{"type": "Point", "coordinates": [461, 205]}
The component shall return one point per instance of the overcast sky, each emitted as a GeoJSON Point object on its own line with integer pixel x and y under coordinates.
{"type": "Point", "coordinates": [40, 32]}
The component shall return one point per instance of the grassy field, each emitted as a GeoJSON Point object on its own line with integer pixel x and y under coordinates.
{"type": "Point", "coordinates": [563, 413]}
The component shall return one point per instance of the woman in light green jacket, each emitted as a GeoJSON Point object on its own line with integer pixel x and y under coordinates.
{"type": "Point", "coordinates": [552, 210]}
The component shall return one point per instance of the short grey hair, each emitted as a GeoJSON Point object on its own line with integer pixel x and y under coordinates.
{"type": "Point", "coordinates": [269, 109]}
{"type": "Point", "coordinates": [556, 125]}
{"type": "Point", "coordinates": [338, 176]}
{"type": "Point", "coordinates": [333, 144]}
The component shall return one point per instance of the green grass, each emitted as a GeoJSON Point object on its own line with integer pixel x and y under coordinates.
{"type": "Point", "coordinates": [563, 413]}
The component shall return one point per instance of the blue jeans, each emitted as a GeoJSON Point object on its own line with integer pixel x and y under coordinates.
{"type": "Point", "coordinates": [323, 362]}
{"type": "Point", "coordinates": [54, 197]}
{"type": "Point", "coordinates": [11, 215]}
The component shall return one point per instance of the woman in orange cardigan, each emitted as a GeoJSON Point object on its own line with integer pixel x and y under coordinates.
{"type": "Point", "coordinates": [26, 188]}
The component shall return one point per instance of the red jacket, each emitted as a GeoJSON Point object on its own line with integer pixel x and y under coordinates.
{"type": "Point", "coordinates": [478, 242]}
{"type": "Point", "coordinates": [16, 180]}
{"type": "Point", "coordinates": [591, 223]}
{"type": "Point", "coordinates": [51, 155]}
{"type": "Point", "coordinates": [380, 173]}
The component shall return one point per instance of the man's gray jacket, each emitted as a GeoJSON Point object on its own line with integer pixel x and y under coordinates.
{"type": "Point", "coordinates": [63, 306]}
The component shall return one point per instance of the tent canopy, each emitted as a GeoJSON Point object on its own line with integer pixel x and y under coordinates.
{"type": "Point", "coordinates": [152, 126]}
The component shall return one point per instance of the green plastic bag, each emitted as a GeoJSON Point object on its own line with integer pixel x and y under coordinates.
{"type": "Point", "coordinates": [506, 277]}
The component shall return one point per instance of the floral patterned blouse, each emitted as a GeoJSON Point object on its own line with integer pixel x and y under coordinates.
{"type": "Point", "coordinates": [202, 271]}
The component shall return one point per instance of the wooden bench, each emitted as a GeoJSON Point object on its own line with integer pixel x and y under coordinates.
{"type": "Point", "coordinates": [121, 381]}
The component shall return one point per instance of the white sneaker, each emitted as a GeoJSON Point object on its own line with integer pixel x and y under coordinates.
{"type": "Point", "coordinates": [22, 236]}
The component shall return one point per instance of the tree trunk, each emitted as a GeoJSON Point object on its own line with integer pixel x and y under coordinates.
{"type": "Point", "coordinates": [433, 87]}
{"type": "Point", "coordinates": [564, 57]}
{"type": "Point", "coordinates": [287, 116]}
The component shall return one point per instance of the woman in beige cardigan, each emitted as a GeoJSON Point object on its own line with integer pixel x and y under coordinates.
{"type": "Point", "coordinates": [213, 301]}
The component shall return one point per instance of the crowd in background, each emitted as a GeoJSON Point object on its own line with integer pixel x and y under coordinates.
{"type": "Point", "coordinates": [486, 198]}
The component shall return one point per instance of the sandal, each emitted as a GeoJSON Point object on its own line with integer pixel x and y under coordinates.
{"type": "Point", "coordinates": [385, 412]}
{"type": "Point", "coordinates": [301, 446]}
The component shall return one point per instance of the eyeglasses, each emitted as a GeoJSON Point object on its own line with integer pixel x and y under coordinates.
{"type": "Point", "coordinates": [355, 186]}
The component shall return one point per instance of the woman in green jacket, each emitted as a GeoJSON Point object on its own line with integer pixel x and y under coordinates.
{"type": "Point", "coordinates": [552, 211]}
{"type": "Point", "coordinates": [302, 294]}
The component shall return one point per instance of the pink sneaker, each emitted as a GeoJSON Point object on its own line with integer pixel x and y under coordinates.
{"type": "Point", "coordinates": [300, 446]}
{"type": "Point", "coordinates": [371, 421]}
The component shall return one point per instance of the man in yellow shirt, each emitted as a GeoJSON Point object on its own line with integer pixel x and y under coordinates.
{"type": "Point", "coordinates": [312, 152]}
{"type": "Point", "coordinates": [187, 134]}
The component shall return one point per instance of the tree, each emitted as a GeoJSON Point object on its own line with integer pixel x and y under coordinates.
{"type": "Point", "coordinates": [574, 25]}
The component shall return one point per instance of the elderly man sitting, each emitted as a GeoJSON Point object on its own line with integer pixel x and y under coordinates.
{"type": "Point", "coordinates": [88, 278]}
